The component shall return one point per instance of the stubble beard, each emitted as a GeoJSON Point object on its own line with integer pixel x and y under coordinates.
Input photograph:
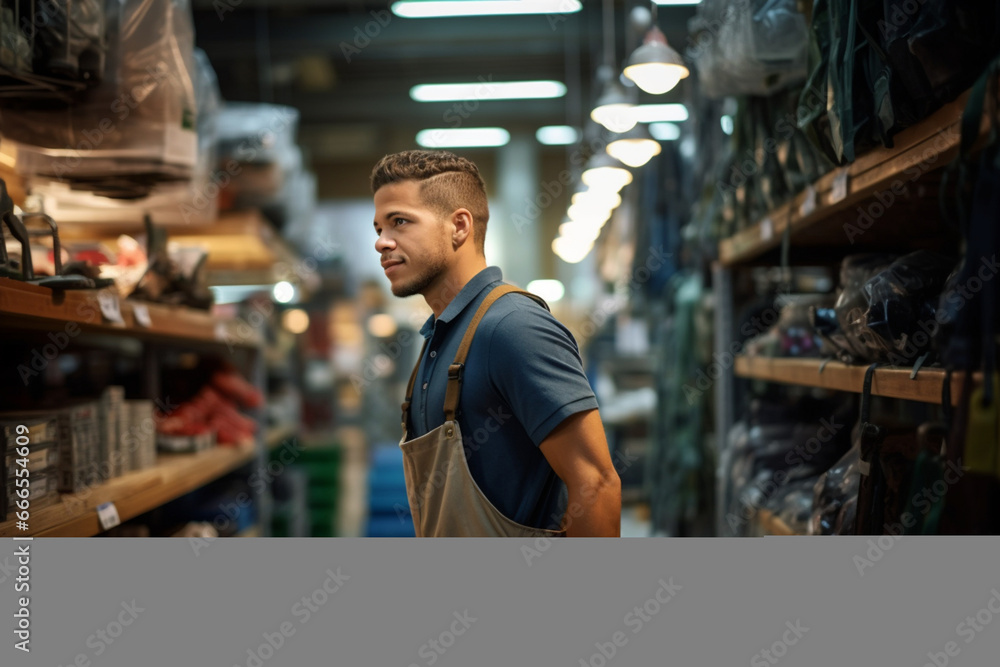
{"type": "Point", "coordinates": [433, 268]}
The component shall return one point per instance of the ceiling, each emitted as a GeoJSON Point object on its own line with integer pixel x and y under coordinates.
{"type": "Point", "coordinates": [352, 88]}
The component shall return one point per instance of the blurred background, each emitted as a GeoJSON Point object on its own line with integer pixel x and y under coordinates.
{"type": "Point", "coordinates": [734, 206]}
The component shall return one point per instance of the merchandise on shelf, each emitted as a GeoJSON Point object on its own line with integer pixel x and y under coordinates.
{"type": "Point", "coordinates": [886, 310]}
{"type": "Point", "coordinates": [754, 47]}
{"type": "Point", "coordinates": [211, 417]}
{"type": "Point", "coordinates": [135, 128]}
{"type": "Point", "coordinates": [877, 68]}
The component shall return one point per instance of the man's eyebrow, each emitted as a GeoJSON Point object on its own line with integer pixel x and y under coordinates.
{"type": "Point", "coordinates": [390, 215]}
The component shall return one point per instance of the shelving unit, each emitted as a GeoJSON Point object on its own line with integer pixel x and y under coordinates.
{"type": "Point", "coordinates": [769, 524]}
{"type": "Point", "coordinates": [134, 493]}
{"type": "Point", "coordinates": [891, 382]}
{"type": "Point", "coordinates": [880, 201]}
{"type": "Point", "coordinates": [32, 307]}
{"type": "Point", "coordinates": [818, 216]}
{"type": "Point", "coordinates": [26, 307]}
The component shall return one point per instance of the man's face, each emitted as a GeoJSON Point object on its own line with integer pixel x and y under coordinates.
{"type": "Point", "coordinates": [412, 239]}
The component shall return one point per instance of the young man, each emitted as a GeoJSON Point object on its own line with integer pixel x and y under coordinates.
{"type": "Point", "coordinates": [501, 434]}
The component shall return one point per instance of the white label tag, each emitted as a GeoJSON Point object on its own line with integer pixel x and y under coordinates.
{"type": "Point", "coordinates": [809, 203]}
{"type": "Point", "coordinates": [766, 229]}
{"type": "Point", "coordinates": [110, 307]}
{"type": "Point", "coordinates": [107, 514]}
{"type": "Point", "coordinates": [839, 191]}
{"type": "Point", "coordinates": [141, 313]}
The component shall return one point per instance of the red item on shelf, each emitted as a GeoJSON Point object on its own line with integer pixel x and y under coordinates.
{"type": "Point", "coordinates": [233, 385]}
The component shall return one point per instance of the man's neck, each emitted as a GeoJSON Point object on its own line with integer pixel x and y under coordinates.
{"type": "Point", "coordinates": [443, 290]}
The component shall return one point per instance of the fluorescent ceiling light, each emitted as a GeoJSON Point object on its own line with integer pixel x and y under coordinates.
{"type": "Point", "coordinates": [665, 131]}
{"type": "Point", "coordinates": [550, 290]}
{"type": "Point", "coordinates": [557, 135]}
{"type": "Point", "coordinates": [677, 2]}
{"type": "Point", "coordinates": [417, 9]}
{"type": "Point", "coordinates": [463, 137]}
{"type": "Point", "coordinates": [487, 90]}
{"type": "Point", "coordinates": [656, 113]}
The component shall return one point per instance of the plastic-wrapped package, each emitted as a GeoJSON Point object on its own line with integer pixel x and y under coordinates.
{"type": "Point", "coordinates": [835, 497]}
{"type": "Point", "coordinates": [752, 47]}
{"type": "Point", "coordinates": [138, 123]}
{"type": "Point", "coordinates": [886, 310]}
{"type": "Point", "coordinates": [257, 147]}
{"type": "Point", "coordinates": [794, 504]}
{"type": "Point", "coordinates": [793, 334]}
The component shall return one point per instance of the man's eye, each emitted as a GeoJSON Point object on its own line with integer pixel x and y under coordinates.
{"type": "Point", "coordinates": [399, 221]}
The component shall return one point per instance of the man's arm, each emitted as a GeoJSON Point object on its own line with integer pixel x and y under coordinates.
{"type": "Point", "coordinates": [577, 450]}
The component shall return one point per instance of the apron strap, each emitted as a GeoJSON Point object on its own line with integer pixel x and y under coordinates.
{"type": "Point", "coordinates": [454, 390]}
{"type": "Point", "coordinates": [409, 388]}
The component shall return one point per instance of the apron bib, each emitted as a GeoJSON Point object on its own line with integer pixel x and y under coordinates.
{"type": "Point", "coordinates": [445, 500]}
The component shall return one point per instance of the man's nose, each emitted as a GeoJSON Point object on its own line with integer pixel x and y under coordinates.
{"type": "Point", "coordinates": [383, 243]}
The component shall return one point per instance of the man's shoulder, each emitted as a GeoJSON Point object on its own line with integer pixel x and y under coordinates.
{"type": "Point", "coordinates": [515, 308]}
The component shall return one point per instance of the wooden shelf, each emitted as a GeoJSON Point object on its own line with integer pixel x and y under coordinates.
{"type": "Point", "coordinates": [890, 381]}
{"type": "Point", "coordinates": [27, 306]}
{"type": "Point", "coordinates": [813, 214]}
{"type": "Point", "coordinates": [133, 494]}
{"type": "Point", "coordinates": [772, 525]}
{"type": "Point", "coordinates": [274, 437]}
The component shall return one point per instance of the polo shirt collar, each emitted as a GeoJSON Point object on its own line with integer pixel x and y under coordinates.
{"type": "Point", "coordinates": [465, 296]}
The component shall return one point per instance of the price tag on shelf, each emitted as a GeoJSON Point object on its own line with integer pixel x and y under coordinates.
{"type": "Point", "coordinates": [809, 203]}
{"type": "Point", "coordinates": [110, 307]}
{"type": "Point", "coordinates": [766, 229]}
{"type": "Point", "coordinates": [141, 313]}
{"type": "Point", "coordinates": [107, 514]}
{"type": "Point", "coordinates": [839, 191]}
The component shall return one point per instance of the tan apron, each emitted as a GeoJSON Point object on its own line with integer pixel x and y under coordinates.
{"type": "Point", "coordinates": [444, 498]}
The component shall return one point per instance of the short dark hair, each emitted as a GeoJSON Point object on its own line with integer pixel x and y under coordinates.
{"type": "Point", "coordinates": [447, 182]}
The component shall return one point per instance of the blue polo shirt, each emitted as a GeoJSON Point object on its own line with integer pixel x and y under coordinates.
{"type": "Point", "coordinates": [523, 376]}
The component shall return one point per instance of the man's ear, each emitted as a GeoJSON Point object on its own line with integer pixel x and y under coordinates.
{"type": "Point", "coordinates": [462, 227]}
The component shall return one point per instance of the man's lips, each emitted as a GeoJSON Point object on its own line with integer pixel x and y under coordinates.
{"type": "Point", "coordinates": [388, 264]}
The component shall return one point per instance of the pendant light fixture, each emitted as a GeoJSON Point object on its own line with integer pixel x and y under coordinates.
{"type": "Point", "coordinates": [655, 67]}
{"type": "Point", "coordinates": [614, 106]}
{"type": "Point", "coordinates": [605, 173]}
{"type": "Point", "coordinates": [635, 147]}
